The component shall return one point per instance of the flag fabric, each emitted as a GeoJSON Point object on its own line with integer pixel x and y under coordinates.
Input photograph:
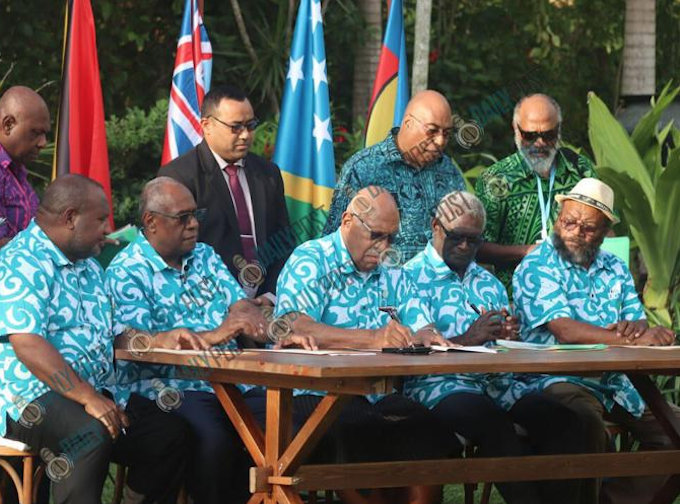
{"type": "Point", "coordinates": [304, 142]}
{"type": "Point", "coordinates": [190, 83]}
{"type": "Point", "coordinates": [390, 88]}
{"type": "Point", "coordinates": [81, 131]}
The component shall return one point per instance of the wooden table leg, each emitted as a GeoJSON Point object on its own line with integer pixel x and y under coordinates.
{"type": "Point", "coordinates": [669, 423]}
{"type": "Point", "coordinates": [278, 434]}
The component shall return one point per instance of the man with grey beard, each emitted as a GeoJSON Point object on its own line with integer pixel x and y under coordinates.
{"type": "Point", "coordinates": [566, 291]}
{"type": "Point", "coordinates": [518, 190]}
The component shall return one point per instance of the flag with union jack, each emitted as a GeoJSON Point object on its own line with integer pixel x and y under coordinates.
{"type": "Point", "coordinates": [190, 82]}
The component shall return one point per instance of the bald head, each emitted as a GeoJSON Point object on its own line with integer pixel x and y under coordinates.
{"type": "Point", "coordinates": [537, 108]}
{"type": "Point", "coordinates": [374, 201]}
{"type": "Point", "coordinates": [159, 194]}
{"type": "Point", "coordinates": [24, 123]}
{"type": "Point", "coordinates": [425, 129]}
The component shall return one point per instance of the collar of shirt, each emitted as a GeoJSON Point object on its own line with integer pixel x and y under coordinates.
{"type": "Point", "coordinates": [241, 163]}
{"type": "Point", "coordinates": [442, 271]}
{"type": "Point", "coordinates": [52, 251]}
{"type": "Point", "coordinates": [8, 163]}
{"type": "Point", "coordinates": [156, 262]}
{"type": "Point", "coordinates": [392, 152]}
{"type": "Point", "coordinates": [344, 259]}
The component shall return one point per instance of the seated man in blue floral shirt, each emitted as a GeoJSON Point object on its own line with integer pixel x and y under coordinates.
{"type": "Point", "coordinates": [165, 281]}
{"type": "Point", "coordinates": [411, 164]}
{"type": "Point", "coordinates": [469, 306]}
{"type": "Point", "coordinates": [569, 291]}
{"type": "Point", "coordinates": [333, 289]}
{"type": "Point", "coordinates": [58, 383]}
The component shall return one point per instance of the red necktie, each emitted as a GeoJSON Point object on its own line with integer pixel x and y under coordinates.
{"type": "Point", "coordinates": [239, 199]}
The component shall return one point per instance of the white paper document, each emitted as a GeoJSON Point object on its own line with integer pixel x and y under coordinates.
{"type": "Point", "coordinates": [463, 348]}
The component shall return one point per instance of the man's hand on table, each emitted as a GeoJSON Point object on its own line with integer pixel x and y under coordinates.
{"type": "Point", "coordinates": [393, 335]}
{"type": "Point", "coordinates": [179, 339]}
{"type": "Point", "coordinates": [429, 335]}
{"type": "Point", "coordinates": [107, 412]}
{"type": "Point", "coordinates": [655, 336]}
{"type": "Point", "coordinates": [629, 330]}
{"type": "Point", "coordinates": [237, 322]}
{"type": "Point", "coordinates": [306, 342]}
{"type": "Point", "coordinates": [509, 326]}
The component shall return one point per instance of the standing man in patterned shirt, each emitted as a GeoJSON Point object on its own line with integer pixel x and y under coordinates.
{"type": "Point", "coordinates": [333, 289]}
{"type": "Point", "coordinates": [410, 163]}
{"type": "Point", "coordinates": [569, 291]}
{"type": "Point", "coordinates": [517, 191]}
{"type": "Point", "coordinates": [469, 306]}
{"type": "Point", "coordinates": [58, 390]}
{"type": "Point", "coordinates": [24, 125]}
{"type": "Point", "coordinates": [166, 281]}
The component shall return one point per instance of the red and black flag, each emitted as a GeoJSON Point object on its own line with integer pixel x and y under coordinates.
{"type": "Point", "coordinates": [81, 132]}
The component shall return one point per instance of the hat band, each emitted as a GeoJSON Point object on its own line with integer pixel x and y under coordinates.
{"type": "Point", "coordinates": [591, 201]}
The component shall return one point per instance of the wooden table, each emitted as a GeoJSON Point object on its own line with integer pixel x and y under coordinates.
{"type": "Point", "coordinates": [279, 474]}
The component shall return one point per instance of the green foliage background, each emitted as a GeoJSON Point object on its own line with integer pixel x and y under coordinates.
{"type": "Point", "coordinates": [485, 54]}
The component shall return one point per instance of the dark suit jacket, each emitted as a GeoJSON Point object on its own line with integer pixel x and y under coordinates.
{"type": "Point", "coordinates": [199, 171]}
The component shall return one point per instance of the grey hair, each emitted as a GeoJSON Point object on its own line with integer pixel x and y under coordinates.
{"type": "Point", "coordinates": [155, 195]}
{"type": "Point", "coordinates": [459, 203]}
{"type": "Point", "coordinates": [553, 102]}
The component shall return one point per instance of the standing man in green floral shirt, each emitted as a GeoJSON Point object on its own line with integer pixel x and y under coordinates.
{"type": "Point", "coordinates": [520, 212]}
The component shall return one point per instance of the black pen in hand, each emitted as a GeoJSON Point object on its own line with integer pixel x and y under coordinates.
{"type": "Point", "coordinates": [394, 315]}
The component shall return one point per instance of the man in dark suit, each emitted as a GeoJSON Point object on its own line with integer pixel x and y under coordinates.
{"type": "Point", "coordinates": [242, 192]}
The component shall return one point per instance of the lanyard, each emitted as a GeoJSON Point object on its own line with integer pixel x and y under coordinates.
{"type": "Point", "coordinates": [543, 204]}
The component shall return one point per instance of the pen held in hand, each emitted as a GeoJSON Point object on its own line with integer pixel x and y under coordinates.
{"type": "Point", "coordinates": [394, 315]}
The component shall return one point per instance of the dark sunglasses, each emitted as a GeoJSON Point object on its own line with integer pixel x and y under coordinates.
{"type": "Point", "coordinates": [239, 127]}
{"type": "Point", "coordinates": [375, 236]}
{"type": "Point", "coordinates": [184, 217]}
{"type": "Point", "coordinates": [457, 238]}
{"type": "Point", "coordinates": [548, 136]}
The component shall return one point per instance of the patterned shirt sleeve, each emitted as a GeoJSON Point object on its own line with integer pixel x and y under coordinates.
{"type": "Point", "coordinates": [126, 286]}
{"type": "Point", "coordinates": [24, 296]}
{"type": "Point", "coordinates": [347, 186]}
{"type": "Point", "coordinates": [492, 207]}
{"type": "Point", "coordinates": [227, 282]}
{"type": "Point", "coordinates": [539, 299]}
{"type": "Point", "coordinates": [299, 287]}
{"type": "Point", "coordinates": [631, 308]}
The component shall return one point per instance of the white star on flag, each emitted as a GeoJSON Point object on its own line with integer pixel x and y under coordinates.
{"type": "Point", "coordinates": [321, 132]}
{"type": "Point", "coordinates": [295, 71]}
{"type": "Point", "coordinates": [316, 14]}
{"type": "Point", "coordinates": [319, 72]}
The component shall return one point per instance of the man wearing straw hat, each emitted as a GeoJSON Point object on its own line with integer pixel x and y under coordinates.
{"type": "Point", "coordinates": [568, 290]}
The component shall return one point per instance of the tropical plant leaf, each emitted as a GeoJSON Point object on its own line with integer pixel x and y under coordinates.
{"type": "Point", "coordinates": [613, 148]}
{"type": "Point", "coordinates": [643, 134]}
{"type": "Point", "coordinates": [667, 211]}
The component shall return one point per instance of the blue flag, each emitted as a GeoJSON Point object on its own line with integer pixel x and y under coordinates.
{"type": "Point", "coordinates": [304, 142]}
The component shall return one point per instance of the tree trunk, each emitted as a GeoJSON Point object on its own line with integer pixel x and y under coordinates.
{"type": "Point", "coordinates": [421, 49]}
{"type": "Point", "coordinates": [367, 54]}
{"type": "Point", "coordinates": [639, 49]}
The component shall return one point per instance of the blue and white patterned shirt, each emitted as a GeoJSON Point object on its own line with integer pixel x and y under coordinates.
{"type": "Point", "coordinates": [417, 191]}
{"type": "Point", "coordinates": [149, 295]}
{"type": "Point", "coordinates": [547, 287]}
{"type": "Point", "coordinates": [43, 293]}
{"type": "Point", "coordinates": [320, 280]}
{"type": "Point", "coordinates": [450, 300]}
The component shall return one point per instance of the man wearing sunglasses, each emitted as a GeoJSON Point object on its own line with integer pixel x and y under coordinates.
{"type": "Point", "coordinates": [569, 291]}
{"type": "Point", "coordinates": [469, 306]}
{"type": "Point", "coordinates": [167, 282]}
{"type": "Point", "coordinates": [242, 193]}
{"type": "Point", "coordinates": [518, 191]}
{"type": "Point", "coordinates": [411, 164]}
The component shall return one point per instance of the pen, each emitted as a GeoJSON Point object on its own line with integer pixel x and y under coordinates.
{"type": "Point", "coordinates": [122, 429]}
{"type": "Point", "coordinates": [392, 312]}
{"type": "Point", "coordinates": [474, 307]}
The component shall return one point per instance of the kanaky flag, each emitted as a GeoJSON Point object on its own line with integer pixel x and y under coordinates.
{"type": "Point", "coordinates": [81, 132]}
{"type": "Point", "coordinates": [390, 89]}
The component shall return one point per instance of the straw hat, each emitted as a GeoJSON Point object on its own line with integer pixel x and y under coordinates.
{"type": "Point", "coordinates": [594, 193]}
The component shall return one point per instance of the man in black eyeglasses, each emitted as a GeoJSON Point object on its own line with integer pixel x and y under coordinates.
{"type": "Point", "coordinates": [241, 192]}
{"type": "Point", "coordinates": [518, 191]}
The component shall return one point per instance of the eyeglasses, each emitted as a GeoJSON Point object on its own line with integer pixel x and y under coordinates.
{"type": "Point", "coordinates": [571, 225]}
{"type": "Point", "coordinates": [376, 236]}
{"type": "Point", "coordinates": [184, 217]}
{"type": "Point", "coordinates": [548, 136]}
{"type": "Point", "coordinates": [434, 131]}
{"type": "Point", "coordinates": [457, 238]}
{"type": "Point", "coordinates": [239, 127]}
